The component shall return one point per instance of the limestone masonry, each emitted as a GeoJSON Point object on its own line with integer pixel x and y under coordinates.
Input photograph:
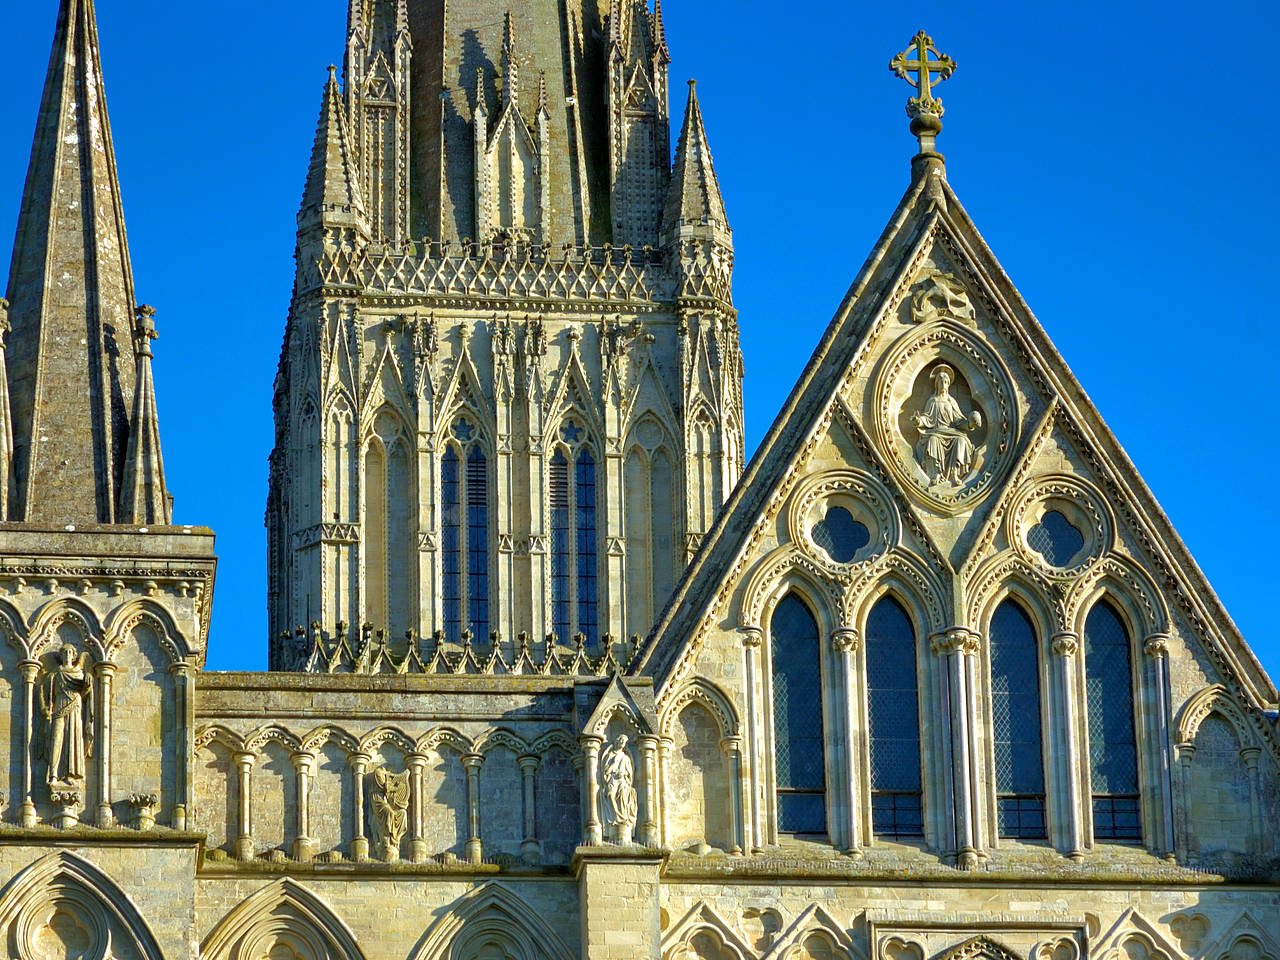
{"type": "Point", "coordinates": [555, 674]}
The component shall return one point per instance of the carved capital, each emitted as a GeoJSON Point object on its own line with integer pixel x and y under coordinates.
{"type": "Point", "coordinates": [245, 761]}
{"type": "Point", "coordinates": [731, 746]}
{"type": "Point", "coordinates": [1065, 644]}
{"type": "Point", "coordinates": [1156, 645]}
{"type": "Point", "coordinates": [472, 761]}
{"type": "Point", "coordinates": [956, 640]}
{"type": "Point", "coordinates": [181, 669]}
{"type": "Point", "coordinates": [529, 762]}
{"type": "Point", "coordinates": [751, 636]}
{"type": "Point", "coordinates": [846, 639]}
{"type": "Point", "coordinates": [303, 760]}
{"type": "Point", "coordinates": [359, 762]}
{"type": "Point", "coordinates": [418, 762]}
{"type": "Point", "coordinates": [1250, 757]}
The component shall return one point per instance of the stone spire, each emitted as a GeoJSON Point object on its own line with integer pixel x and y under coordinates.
{"type": "Point", "coordinates": [332, 194]}
{"type": "Point", "coordinates": [71, 294]}
{"type": "Point", "coordinates": [144, 499]}
{"type": "Point", "coordinates": [6, 422]}
{"type": "Point", "coordinates": [510, 63]}
{"type": "Point", "coordinates": [694, 204]}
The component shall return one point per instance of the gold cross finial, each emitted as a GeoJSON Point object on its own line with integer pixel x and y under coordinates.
{"type": "Point", "coordinates": [923, 69]}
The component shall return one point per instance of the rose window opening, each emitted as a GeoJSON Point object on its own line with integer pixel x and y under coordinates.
{"type": "Point", "coordinates": [840, 535]}
{"type": "Point", "coordinates": [1056, 539]}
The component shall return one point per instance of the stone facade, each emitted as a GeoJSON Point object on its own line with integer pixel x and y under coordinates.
{"type": "Point", "coordinates": [936, 679]}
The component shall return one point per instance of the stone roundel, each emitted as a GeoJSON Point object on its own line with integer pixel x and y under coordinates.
{"type": "Point", "coordinates": [855, 493]}
{"type": "Point", "coordinates": [1078, 503]}
{"type": "Point", "coordinates": [949, 461]}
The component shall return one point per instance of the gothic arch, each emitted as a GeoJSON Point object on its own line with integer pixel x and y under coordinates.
{"type": "Point", "coordinates": [282, 911]}
{"type": "Point", "coordinates": [903, 575]}
{"type": "Point", "coordinates": [491, 911]}
{"type": "Point", "coordinates": [268, 732]}
{"type": "Point", "coordinates": [446, 736]}
{"type": "Point", "coordinates": [13, 628]}
{"type": "Point", "coordinates": [556, 739]}
{"type": "Point", "coordinates": [989, 582]}
{"type": "Point", "coordinates": [223, 735]}
{"type": "Point", "coordinates": [393, 735]}
{"type": "Point", "coordinates": [814, 922]}
{"type": "Point", "coordinates": [66, 610]}
{"type": "Point", "coordinates": [121, 622]}
{"type": "Point", "coordinates": [1214, 699]}
{"type": "Point", "coordinates": [710, 696]}
{"type": "Point", "coordinates": [980, 947]}
{"type": "Point", "coordinates": [1131, 589]}
{"type": "Point", "coordinates": [320, 736]}
{"type": "Point", "coordinates": [1030, 598]}
{"type": "Point", "coordinates": [720, 938]}
{"type": "Point", "coordinates": [91, 898]}
{"type": "Point", "coordinates": [501, 737]}
{"type": "Point", "coordinates": [780, 572]}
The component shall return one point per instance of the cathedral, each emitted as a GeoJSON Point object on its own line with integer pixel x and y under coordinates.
{"type": "Point", "coordinates": [557, 670]}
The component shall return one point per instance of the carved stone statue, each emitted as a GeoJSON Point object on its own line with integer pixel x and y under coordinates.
{"type": "Point", "coordinates": [388, 808]}
{"type": "Point", "coordinates": [945, 450]}
{"type": "Point", "coordinates": [66, 700]}
{"type": "Point", "coordinates": [618, 793]}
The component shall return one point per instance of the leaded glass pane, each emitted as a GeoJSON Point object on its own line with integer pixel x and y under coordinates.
{"type": "Point", "coordinates": [894, 713]}
{"type": "Point", "coordinates": [559, 504]}
{"type": "Point", "coordinates": [1015, 715]}
{"type": "Point", "coordinates": [840, 535]}
{"type": "Point", "coordinates": [451, 543]}
{"type": "Point", "coordinates": [1055, 539]}
{"type": "Point", "coordinates": [478, 542]}
{"type": "Point", "coordinates": [1113, 746]}
{"type": "Point", "coordinates": [797, 718]}
{"type": "Point", "coordinates": [585, 525]}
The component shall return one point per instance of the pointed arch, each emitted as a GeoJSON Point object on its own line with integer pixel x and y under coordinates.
{"type": "Point", "coordinates": [702, 691]}
{"type": "Point", "coordinates": [71, 612]}
{"type": "Point", "coordinates": [892, 657]}
{"type": "Point", "coordinates": [284, 911]}
{"type": "Point", "coordinates": [574, 471]}
{"type": "Point", "coordinates": [90, 897]}
{"type": "Point", "coordinates": [781, 571]}
{"type": "Point", "coordinates": [702, 932]}
{"type": "Point", "coordinates": [1130, 588]}
{"type": "Point", "coordinates": [121, 622]}
{"type": "Point", "coordinates": [491, 912]}
{"type": "Point", "coordinates": [651, 490]}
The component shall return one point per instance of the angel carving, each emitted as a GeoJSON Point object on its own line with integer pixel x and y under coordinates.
{"type": "Point", "coordinates": [66, 700]}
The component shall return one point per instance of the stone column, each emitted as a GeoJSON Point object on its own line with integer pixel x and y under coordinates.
{"type": "Point", "coordinates": [956, 647]}
{"type": "Point", "coordinates": [648, 825]}
{"type": "Point", "coordinates": [184, 707]}
{"type": "Point", "coordinates": [1156, 647]}
{"type": "Point", "coordinates": [472, 762]}
{"type": "Point", "coordinates": [30, 671]}
{"type": "Point", "coordinates": [752, 637]}
{"type": "Point", "coordinates": [1065, 647]}
{"type": "Point", "coordinates": [1186, 754]}
{"type": "Point", "coordinates": [416, 763]}
{"type": "Point", "coordinates": [302, 763]}
{"type": "Point", "coordinates": [591, 790]}
{"type": "Point", "coordinates": [244, 842]}
{"type": "Point", "coordinates": [104, 672]}
{"type": "Point", "coordinates": [846, 642]}
{"type": "Point", "coordinates": [359, 842]}
{"type": "Point", "coordinates": [732, 748]}
{"type": "Point", "coordinates": [530, 848]}
{"type": "Point", "coordinates": [664, 760]}
{"type": "Point", "coordinates": [1250, 757]}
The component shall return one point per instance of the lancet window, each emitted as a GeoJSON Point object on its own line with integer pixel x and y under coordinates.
{"type": "Point", "coordinates": [464, 542]}
{"type": "Point", "coordinates": [390, 554]}
{"type": "Point", "coordinates": [1113, 743]}
{"type": "Point", "coordinates": [893, 698]}
{"type": "Point", "coordinates": [1016, 725]}
{"type": "Point", "coordinates": [650, 497]}
{"type": "Point", "coordinates": [795, 654]}
{"type": "Point", "coordinates": [572, 490]}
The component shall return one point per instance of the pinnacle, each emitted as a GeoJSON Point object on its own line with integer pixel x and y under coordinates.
{"type": "Point", "coordinates": [694, 197]}
{"type": "Point", "coordinates": [332, 191]}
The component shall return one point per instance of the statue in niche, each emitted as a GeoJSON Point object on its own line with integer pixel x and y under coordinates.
{"type": "Point", "coordinates": [389, 809]}
{"type": "Point", "coordinates": [66, 700]}
{"type": "Point", "coordinates": [618, 795]}
{"type": "Point", "coordinates": [945, 450]}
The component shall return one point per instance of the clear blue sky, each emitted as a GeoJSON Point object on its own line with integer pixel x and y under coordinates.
{"type": "Point", "coordinates": [1116, 156]}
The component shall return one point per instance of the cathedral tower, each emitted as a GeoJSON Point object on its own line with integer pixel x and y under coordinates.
{"type": "Point", "coordinates": [509, 399]}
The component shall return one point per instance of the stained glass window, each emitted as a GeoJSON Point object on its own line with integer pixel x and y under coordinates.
{"type": "Point", "coordinates": [585, 528]}
{"type": "Point", "coordinates": [797, 718]}
{"type": "Point", "coordinates": [893, 701]}
{"type": "Point", "coordinates": [559, 496]}
{"type": "Point", "coordinates": [1113, 743]}
{"type": "Point", "coordinates": [464, 535]}
{"type": "Point", "coordinates": [1015, 716]}
{"type": "Point", "coordinates": [572, 502]}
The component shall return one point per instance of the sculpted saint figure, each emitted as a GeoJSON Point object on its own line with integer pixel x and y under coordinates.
{"type": "Point", "coordinates": [618, 796]}
{"type": "Point", "coordinates": [66, 700]}
{"type": "Point", "coordinates": [389, 806]}
{"type": "Point", "coordinates": [945, 450]}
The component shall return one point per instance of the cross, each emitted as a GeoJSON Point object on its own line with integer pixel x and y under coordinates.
{"type": "Point", "coordinates": [924, 69]}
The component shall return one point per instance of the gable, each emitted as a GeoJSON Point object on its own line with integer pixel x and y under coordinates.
{"type": "Point", "coordinates": [970, 465]}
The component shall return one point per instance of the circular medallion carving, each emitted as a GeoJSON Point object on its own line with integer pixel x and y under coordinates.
{"type": "Point", "coordinates": [842, 518]}
{"type": "Point", "coordinates": [1060, 525]}
{"type": "Point", "coordinates": [946, 415]}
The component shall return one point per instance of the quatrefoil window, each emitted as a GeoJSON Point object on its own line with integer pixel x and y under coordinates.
{"type": "Point", "coordinates": [840, 535]}
{"type": "Point", "coordinates": [1055, 539]}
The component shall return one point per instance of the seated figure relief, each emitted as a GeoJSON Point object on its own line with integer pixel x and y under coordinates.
{"type": "Point", "coordinates": [945, 450]}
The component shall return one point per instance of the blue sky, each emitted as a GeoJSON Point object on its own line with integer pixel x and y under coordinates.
{"type": "Point", "coordinates": [1115, 157]}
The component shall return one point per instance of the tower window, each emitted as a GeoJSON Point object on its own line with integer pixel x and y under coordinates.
{"type": "Point", "coordinates": [1015, 718]}
{"type": "Point", "coordinates": [797, 718]}
{"type": "Point", "coordinates": [464, 509]}
{"type": "Point", "coordinates": [893, 700]}
{"type": "Point", "coordinates": [1113, 743]}
{"type": "Point", "coordinates": [572, 495]}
